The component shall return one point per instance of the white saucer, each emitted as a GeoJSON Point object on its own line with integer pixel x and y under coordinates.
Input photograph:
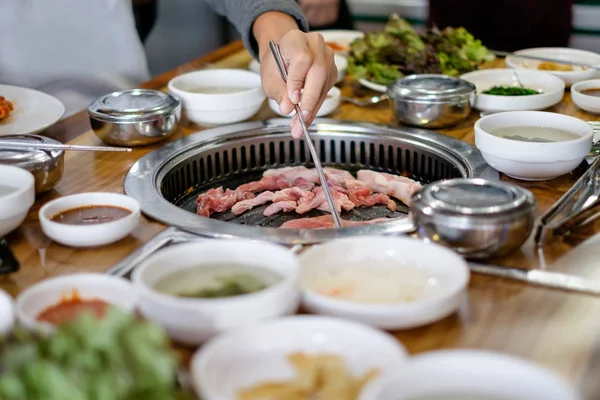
{"type": "Point", "coordinates": [34, 111]}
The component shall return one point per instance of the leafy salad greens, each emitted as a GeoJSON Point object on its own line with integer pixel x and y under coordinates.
{"type": "Point", "coordinates": [118, 357]}
{"type": "Point", "coordinates": [399, 50]}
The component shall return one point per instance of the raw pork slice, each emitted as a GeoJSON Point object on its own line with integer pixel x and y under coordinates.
{"type": "Point", "coordinates": [275, 182]}
{"type": "Point", "coordinates": [326, 221]}
{"type": "Point", "coordinates": [320, 202]}
{"type": "Point", "coordinates": [293, 194]}
{"type": "Point", "coordinates": [219, 200]}
{"type": "Point", "coordinates": [293, 173]}
{"type": "Point", "coordinates": [285, 206]}
{"type": "Point", "coordinates": [396, 186]}
{"type": "Point", "coordinates": [245, 205]}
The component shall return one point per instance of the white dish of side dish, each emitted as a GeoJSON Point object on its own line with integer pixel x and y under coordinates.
{"type": "Point", "coordinates": [33, 111]}
{"type": "Point", "coordinates": [17, 195]}
{"type": "Point", "coordinates": [330, 105]}
{"type": "Point", "coordinates": [257, 354]}
{"type": "Point", "coordinates": [7, 313]}
{"type": "Point", "coordinates": [468, 375]}
{"type": "Point", "coordinates": [388, 282]}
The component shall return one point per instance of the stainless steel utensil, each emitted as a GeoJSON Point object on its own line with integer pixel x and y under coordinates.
{"type": "Point", "coordinates": [52, 146]}
{"type": "Point", "coordinates": [365, 102]}
{"type": "Point", "coordinates": [431, 100]}
{"type": "Point", "coordinates": [313, 152]}
{"type": "Point", "coordinates": [475, 217]}
{"type": "Point", "coordinates": [135, 117]}
{"type": "Point", "coordinates": [549, 59]}
{"type": "Point", "coordinates": [47, 166]}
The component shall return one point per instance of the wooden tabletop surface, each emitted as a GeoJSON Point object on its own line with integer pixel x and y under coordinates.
{"type": "Point", "coordinates": [559, 330]}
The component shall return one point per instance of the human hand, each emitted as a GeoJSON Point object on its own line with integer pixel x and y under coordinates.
{"type": "Point", "coordinates": [320, 12]}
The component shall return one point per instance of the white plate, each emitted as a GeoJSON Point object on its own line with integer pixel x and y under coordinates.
{"type": "Point", "coordinates": [341, 37]}
{"type": "Point", "coordinates": [472, 374]}
{"type": "Point", "coordinates": [34, 111]}
{"type": "Point", "coordinates": [373, 86]}
{"type": "Point", "coordinates": [551, 87]}
{"type": "Point", "coordinates": [558, 53]}
{"type": "Point", "coordinates": [585, 101]}
{"type": "Point", "coordinates": [447, 277]}
{"type": "Point", "coordinates": [252, 355]}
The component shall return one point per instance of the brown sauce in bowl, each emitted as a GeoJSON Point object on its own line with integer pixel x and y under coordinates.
{"type": "Point", "coordinates": [591, 92]}
{"type": "Point", "coordinates": [90, 215]}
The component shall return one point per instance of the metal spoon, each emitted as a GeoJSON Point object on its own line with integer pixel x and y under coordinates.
{"type": "Point", "coordinates": [6, 144]}
{"type": "Point", "coordinates": [365, 102]}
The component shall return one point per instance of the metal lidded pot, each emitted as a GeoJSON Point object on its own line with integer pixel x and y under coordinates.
{"type": "Point", "coordinates": [477, 218]}
{"type": "Point", "coordinates": [136, 117]}
{"type": "Point", "coordinates": [47, 166]}
{"type": "Point", "coordinates": [431, 100]}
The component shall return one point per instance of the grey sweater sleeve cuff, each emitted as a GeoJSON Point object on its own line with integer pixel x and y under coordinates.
{"type": "Point", "coordinates": [259, 7]}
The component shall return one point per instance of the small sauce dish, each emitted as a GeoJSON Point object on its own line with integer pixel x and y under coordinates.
{"type": "Point", "coordinates": [74, 293]}
{"type": "Point", "coordinates": [90, 219]}
{"type": "Point", "coordinates": [586, 95]}
{"type": "Point", "coordinates": [466, 375]}
{"type": "Point", "coordinates": [17, 195]}
{"type": "Point", "coordinates": [388, 282]}
{"type": "Point", "coordinates": [330, 105]}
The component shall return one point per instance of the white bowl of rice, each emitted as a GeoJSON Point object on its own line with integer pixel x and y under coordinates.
{"type": "Point", "coordinates": [391, 283]}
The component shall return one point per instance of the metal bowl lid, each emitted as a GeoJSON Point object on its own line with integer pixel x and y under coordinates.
{"type": "Point", "coordinates": [29, 158]}
{"type": "Point", "coordinates": [473, 197]}
{"type": "Point", "coordinates": [135, 105]}
{"type": "Point", "coordinates": [431, 88]}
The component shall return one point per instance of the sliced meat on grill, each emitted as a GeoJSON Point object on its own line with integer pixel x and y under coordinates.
{"type": "Point", "coordinates": [293, 194]}
{"type": "Point", "coordinates": [326, 221]}
{"type": "Point", "coordinates": [337, 175]}
{"type": "Point", "coordinates": [396, 186]}
{"type": "Point", "coordinates": [302, 183]}
{"type": "Point", "coordinates": [274, 182]}
{"type": "Point", "coordinates": [245, 205]}
{"type": "Point", "coordinates": [285, 206]}
{"type": "Point", "coordinates": [219, 200]}
{"type": "Point", "coordinates": [320, 202]}
{"type": "Point", "coordinates": [372, 199]}
{"type": "Point", "coordinates": [293, 173]}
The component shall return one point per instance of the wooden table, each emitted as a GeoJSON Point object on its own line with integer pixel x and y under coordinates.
{"type": "Point", "coordinates": [557, 329]}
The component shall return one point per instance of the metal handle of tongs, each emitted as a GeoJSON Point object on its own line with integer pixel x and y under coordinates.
{"type": "Point", "coordinates": [578, 206]}
{"type": "Point", "coordinates": [311, 147]}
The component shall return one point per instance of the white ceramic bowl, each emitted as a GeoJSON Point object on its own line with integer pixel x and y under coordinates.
{"type": "Point", "coordinates": [218, 108]}
{"type": "Point", "coordinates": [552, 89]}
{"type": "Point", "coordinates": [471, 374]}
{"type": "Point", "coordinates": [558, 53]}
{"type": "Point", "coordinates": [256, 354]}
{"type": "Point", "coordinates": [92, 235]}
{"type": "Point", "coordinates": [7, 313]}
{"type": "Point", "coordinates": [49, 292]}
{"type": "Point", "coordinates": [585, 101]}
{"type": "Point", "coordinates": [331, 104]}
{"type": "Point", "coordinates": [341, 38]}
{"type": "Point", "coordinates": [192, 321]}
{"type": "Point", "coordinates": [533, 161]}
{"type": "Point", "coordinates": [15, 206]}
{"type": "Point", "coordinates": [448, 277]}
{"type": "Point", "coordinates": [340, 62]}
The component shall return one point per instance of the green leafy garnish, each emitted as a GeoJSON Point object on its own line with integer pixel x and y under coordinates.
{"type": "Point", "coordinates": [510, 91]}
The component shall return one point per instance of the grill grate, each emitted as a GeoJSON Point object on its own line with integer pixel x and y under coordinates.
{"type": "Point", "coordinates": [233, 155]}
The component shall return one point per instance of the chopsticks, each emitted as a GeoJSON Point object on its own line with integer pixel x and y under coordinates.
{"type": "Point", "coordinates": [51, 146]}
{"type": "Point", "coordinates": [313, 152]}
{"type": "Point", "coordinates": [549, 59]}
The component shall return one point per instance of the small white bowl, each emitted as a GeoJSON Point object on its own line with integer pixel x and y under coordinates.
{"type": "Point", "coordinates": [447, 279]}
{"type": "Point", "coordinates": [49, 292]}
{"type": "Point", "coordinates": [469, 374]}
{"type": "Point", "coordinates": [340, 62]}
{"type": "Point", "coordinates": [552, 89]}
{"type": "Point", "coordinates": [533, 161]}
{"type": "Point", "coordinates": [92, 235]}
{"type": "Point", "coordinates": [255, 354]}
{"type": "Point", "coordinates": [192, 321]}
{"type": "Point", "coordinates": [7, 313]}
{"type": "Point", "coordinates": [218, 108]}
{"type": "Point", "coordinates": [557, 53]}
{"type": "Point", "coordinates": [585, 101]}
{"type": "Point", "coordinates": [331, 104]}
{"type": "Point", "coordinates": [15, 206]}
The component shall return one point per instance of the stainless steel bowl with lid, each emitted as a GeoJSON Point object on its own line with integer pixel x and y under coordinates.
{"type": "Point", "coordinates": [477, 218]}
{"type": "Point", "coordinates": [431, 100]}
{"type": "Point", "coordinates": [136, 117]}
{"type": "Point", "coordinates": [47, 166]}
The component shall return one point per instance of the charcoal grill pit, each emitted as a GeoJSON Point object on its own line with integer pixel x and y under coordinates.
{"type": "Point", "coordinates": [167, 181]}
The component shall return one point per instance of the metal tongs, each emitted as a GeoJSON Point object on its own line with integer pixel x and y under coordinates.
{"type": "Point", "coordinates": [313, 152]}
{"type": "Point", "coordinates": [577, 207]}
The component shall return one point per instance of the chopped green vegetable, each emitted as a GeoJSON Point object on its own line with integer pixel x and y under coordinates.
{"type": "Point", "coordinates": [118, 357]}
{"type": "Point", "coordinates": [399, 50]}
{"type": "Point", "coordinates": [232, 285]}
{"type": "Point", "coordinates": [510, 91]}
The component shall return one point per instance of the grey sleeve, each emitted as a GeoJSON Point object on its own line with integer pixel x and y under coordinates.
{"type": "Point", "coordinates": [243, 13]}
